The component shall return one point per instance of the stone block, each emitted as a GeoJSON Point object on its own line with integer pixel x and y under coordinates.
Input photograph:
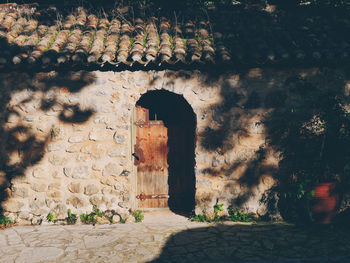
{"type": "Point", "coordinates": [29, 118]}
{"type": "Point", "coordinates": [40, 173]}
{"type": "Point", "coordinates": [79, 172]}
{"type": "Point", "coordinates": [239, 155]}
{"type": "Point", "coordinates": [25, 215]}
{"type": "Point", "coordinates": [56, 174]}
{"type": "Point", "coordinates": [97, 167]}
{"type": "Point", "coordinates": [36, 220]}
{"type": "Point", "coordinates": [112, 169]}
{"type": "Point", "coordinates": [101, 119]}
{"type": "Point", "coordinates": [100, 135]}
{"type": "Point", "coordinates": [20, 191]}
{"type": "Point", "coordinates": [96, 151]}
{"type": "Point", "coordinates": [13, 205]}
{"type": "Point", "coordinates": [37, 206]}
{"type": "Point", "coordinates": [13, 118]}
{"type": "Point", "coordinates": [86, 149]}
{"type": "Point", "coordinates": [76, 139]}
{"type": "Point", "coordinates": [76, 202]}
{"type": "Point", "coordinates": [217, 161]}
{"type": "Point", "coordinates": [126, 196]}
{"type": "Point", "coordinates": [119, 138]}
{"type": "Point", "coordinates": [75, 187]}
{"type": "Point", "coordinates": [205, 200]}
{"type": "Point", "coordinates": [256, 128]}
{"type": "Point", "coordinates": [20, 179]}
{"type": "Point", "coordinates": [252, 141]}
{"type": "Point", "coordinates": [124, 204]}
{"type": "Point", "coordinates": [55, 186]}
{"type": "Point", "coordinates": [116, 97]}
{"type": "Point", "coordinates": [54, 194]}
{"type": "Point", "coordinates": [203, 183]}
{"type": "Point", "coordinates": [96, 200]}
{"type": "Point", "coordinates": [107, 191]}
{"type": "Point", "coordinates": [107, 180]}
{"type": "Point", "coordinates": [268, 181]}
{"type": "Point", "coordinates": [44, 127]}
{"type": "Point", "coordinates": [82, 157]}
{"type": "Point", "coordinates": [117, 152]}
{"type": "Point", "coordinates": [57, 133]}
{"type": "Point", "coordinates": [51, 202]}
{"type": "Point", "coordinates": [59, 211]}
{"type": "Point", "coordinates": [38, 186]}
{"type": "Point", "coordinates": [56, 159]}
{"type": "Point", "coordinates": [54, 147]}
{"type": "Point", "coordinates": [125, 173]}
{"type": "Point", "coordinates": [72, 149]}
{"type": "Point", "coordinates": [78, 127]}
{"type": "Point", "coordinates": [116, 218]}
{"type": "Point", "coordinates": [120, 186]}
{"type": "Point", "coordinates": [91, 189]}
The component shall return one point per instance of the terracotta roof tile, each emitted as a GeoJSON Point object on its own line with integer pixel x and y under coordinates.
{"type": "Point", "coordinates": [132, 36]}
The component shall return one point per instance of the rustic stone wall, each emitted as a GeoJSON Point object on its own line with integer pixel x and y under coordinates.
{"type": "Point", "coordinates": [66, 137]}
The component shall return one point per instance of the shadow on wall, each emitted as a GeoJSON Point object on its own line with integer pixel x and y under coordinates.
{"type": "Point", "coordinates": [256, 243]}
{"type": "Point", "coordinates": [180, 121]}
{"type": "Point", "coordinates": [22, 146]}
{"type": "Point", "coordinates": [300, 114]}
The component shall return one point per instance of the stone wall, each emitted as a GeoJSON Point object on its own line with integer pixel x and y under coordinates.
{"type": "Point", "coordinates": [66, 137]}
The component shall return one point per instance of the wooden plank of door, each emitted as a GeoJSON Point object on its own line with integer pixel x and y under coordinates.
{"type": "Point", "coordinates": [152, 175]}
{"type": "Point", "coordinates": [160, 170]}
{"type": "Point", "coordinates": [143, 169]}
{"type": "Point", "coordinates": [164, 164]}
{"type": "Point", "coordinates": [142, 114]}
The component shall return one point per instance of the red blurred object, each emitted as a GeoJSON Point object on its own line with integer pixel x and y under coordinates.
{"type": "Point", "coordinates": [326, 202]}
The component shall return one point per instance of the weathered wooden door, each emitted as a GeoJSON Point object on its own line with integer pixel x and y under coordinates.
{"type": "Point", "coordinates": [150, 153]}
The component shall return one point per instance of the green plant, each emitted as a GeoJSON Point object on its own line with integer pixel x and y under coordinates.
{"type": "Point", "coordinates": [71, 218]}
{"type": "Point", "coordinates": [4, 220]}
{"type": "Point", "coordinates": [88, 218]}
{"type": "Point", "coordinates": [50, 217]}
{"type": "Point", "coordinates": [137, 214]}
{"type": "Point", "coordinates": [122, 220]}
{"type": "Point", "coordinates": [239, 215]}
{"type": "Point", "coordinates": [201, 217]}
{"type": "Point", "coordinates": [97, 211]}
{"type": "Point", "coordinates": [218, 208]}
{"type": "Point", "coordinates": [91, 217]}
{"type": "Point", "coordinates": [131, 42]}
{"type": "Point", "coordinates": [205, 218]}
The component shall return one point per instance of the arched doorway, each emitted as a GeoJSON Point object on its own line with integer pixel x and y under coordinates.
{"type": "Point", "coordinates": [164, 154]}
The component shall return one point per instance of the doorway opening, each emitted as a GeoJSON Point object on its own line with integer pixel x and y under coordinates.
{"type": "Point", "coordinates": [179, 120]}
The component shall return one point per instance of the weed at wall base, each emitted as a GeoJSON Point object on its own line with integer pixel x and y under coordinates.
{"type": "Point", "coordinates": [234, 215]}
{"type": "Point", "coordinates": [5, 221]}
{"type": "Point", "coordinates": [137, 214]}
{"type": "Point", "coordinates": [71, 218]}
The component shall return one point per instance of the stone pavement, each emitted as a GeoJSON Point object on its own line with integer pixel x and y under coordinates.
{"type": "Point", "coordinates": [167, 240]}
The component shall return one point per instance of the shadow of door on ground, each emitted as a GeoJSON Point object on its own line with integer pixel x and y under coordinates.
{"type": "Point", "coordinates": [257, 243]}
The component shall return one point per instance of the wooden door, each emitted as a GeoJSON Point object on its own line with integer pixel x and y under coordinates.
{"type": "Point", "coordinates": [150, 153]}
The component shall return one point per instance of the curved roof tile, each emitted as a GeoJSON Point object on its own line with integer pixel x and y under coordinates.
{"type": "Point", "coordinates": [131, 36]}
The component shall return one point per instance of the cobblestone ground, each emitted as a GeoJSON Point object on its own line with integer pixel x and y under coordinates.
{"type": "Point", "coordinates": [173, 242]}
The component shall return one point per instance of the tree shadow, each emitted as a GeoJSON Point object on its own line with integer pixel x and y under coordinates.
{"type": "Point", "coordinates": [25, 93]}
{"type": "Point", "coordinates": [274, 124]}
{"type": "Point", "coordinates": [256, 243]}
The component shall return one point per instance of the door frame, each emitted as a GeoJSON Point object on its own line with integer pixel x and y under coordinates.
{"type": "Point", "coordinates": [134, 167]}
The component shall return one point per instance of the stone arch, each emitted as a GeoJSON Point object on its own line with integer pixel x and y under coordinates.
{"type": "Point", "coordinates": [180, 120]}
